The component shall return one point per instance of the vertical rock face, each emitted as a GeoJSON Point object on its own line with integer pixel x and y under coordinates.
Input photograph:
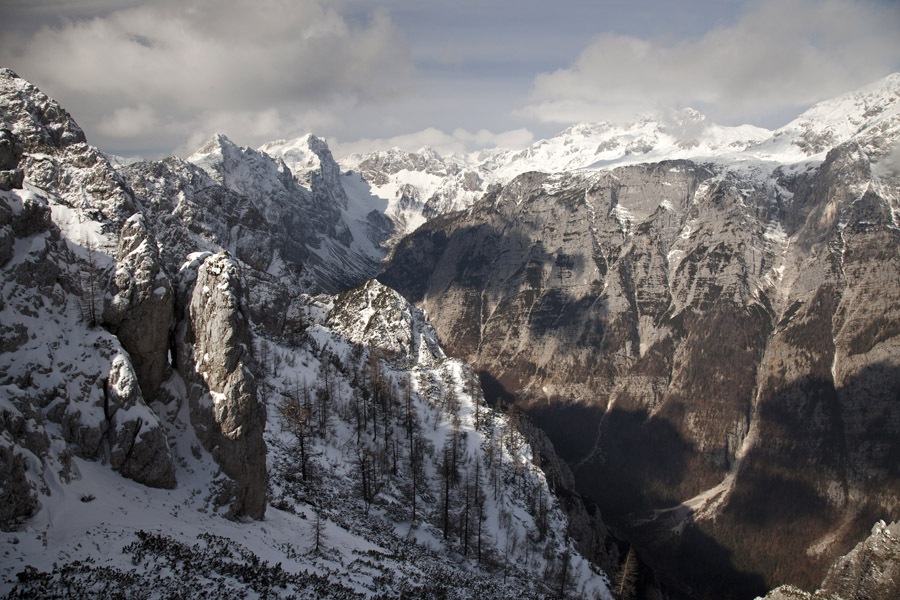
{"type": "Point", "coordinates": [141, 310]}
{"type": "Point", "coordinates": [214, 354]}
{"type": "Point", "coordinates": [94, 401]}
{"type": "Point", "coordinates": [10, 154]}
{"type": "Point", "coordinates": [724, 344]}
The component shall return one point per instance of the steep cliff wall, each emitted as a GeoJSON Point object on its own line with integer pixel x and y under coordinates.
{"type": "Point", "coordinates": [724, 338]}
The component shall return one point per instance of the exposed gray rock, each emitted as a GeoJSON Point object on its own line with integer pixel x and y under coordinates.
{"type": "Point", "coordinates": [10, 150]}
{"type": "Point", "coordinates": [303, 211]}
{"type": "Point", "coordinates": [30, 216]}
{"type": "Point", "coordinates": [701, 327]}
{"type": "Point", "coordinates": [137, 440]}
{"type": "Point", "coordinates": [188, 211]}
{"type": "Point", "coordinates": [141, 308]}
{"type": "Point", "coordinates": [870, 571]}
{"type": "Point", "coordinates": [12, 179]}
{"type": "Point", "coordinates": [292, 226]}
{"type": "Point", "coordinates": [214, 355]}
{"type": "Point", "coordinates": [375, 316]}
{"type": "Point", "coordinates": [6, 243]}
{"type": "Point", "coordinates": [18, 499]}
{"type": "Point", "coordinates": [44, 122]}
{"type": "Point", "coordinates": [94, 399]}
{"type": "Point", "coordinates": [789, 592]}
{"type": "Point", "coordinates": [56, 156]}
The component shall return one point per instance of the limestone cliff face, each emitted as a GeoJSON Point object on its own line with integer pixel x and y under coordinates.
{"type": "Point", "coordinates": [141, 307]}
{"type": "Point", "coordinates": [870, 571]}
{"type": "Point", "coordinates": [56, 157]}
{"type": "Point", "coordinates": [214, 355]}
{"type": "Point", "coordinates": [724, 343]}
{"type": "Point", "coordinates": [137, 440]}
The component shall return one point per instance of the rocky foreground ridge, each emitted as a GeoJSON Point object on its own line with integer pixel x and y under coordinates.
{"type": "Point", "coordinates": [870, 570]}
{"type": "Point", "coordinates": [178, 416]}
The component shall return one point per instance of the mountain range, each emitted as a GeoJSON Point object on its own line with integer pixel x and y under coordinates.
{"type": "Point", "coordinates": [489, 375]}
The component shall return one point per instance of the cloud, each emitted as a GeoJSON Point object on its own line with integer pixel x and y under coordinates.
{"type": "Point", "coordinates": [458, 142]}
{"type": "Point", "coordinates": [248, 65]}
{"type": "Point", "coordinates": [779, 54]}
{"type": "Point", "coordinates": [129, 121]}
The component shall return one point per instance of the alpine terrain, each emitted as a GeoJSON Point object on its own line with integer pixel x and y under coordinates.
{"type": "Point", "coordinates": [706, 325]}
{"type": "Point", "coordinates": [658, 359]}
{"type": "Point", "coordinates": [203, 393]}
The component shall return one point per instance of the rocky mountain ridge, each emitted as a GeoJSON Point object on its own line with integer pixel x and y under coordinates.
{"type": "Point", "coordinates": [709, 343]}
{"type": "Point", "coordinates": [721, 333]}
{"type": "Point", "coordinates": [178, 417]}
{"type": "Point", "coordinates": [870, 570]}
{"type": "Point", "coordinates": [419, 185]}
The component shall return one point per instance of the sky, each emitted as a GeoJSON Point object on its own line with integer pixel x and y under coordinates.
{"type": "Point", "coordinates": [158, 78]}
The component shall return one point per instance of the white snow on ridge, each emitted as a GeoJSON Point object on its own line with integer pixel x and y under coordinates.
{"type": "Point", "coordinates": [872, 112]}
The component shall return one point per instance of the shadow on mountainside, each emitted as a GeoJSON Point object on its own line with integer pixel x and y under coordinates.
{"type": "Point", "coordinates": [792, 491]}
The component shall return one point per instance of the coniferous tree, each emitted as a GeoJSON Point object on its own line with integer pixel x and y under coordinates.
{"type": "Point", "coordinates": [318, 534]}
{"type": "Point", "coordinates": [297, 419]}
{"type": "Point", "coordinates": [626, 579]}
{"type": "Point", "coordinates": [91, 298]}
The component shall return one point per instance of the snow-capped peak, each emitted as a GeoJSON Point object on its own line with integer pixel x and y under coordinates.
{"type": "Point", "coordinates": [652, 137]}
{"type": "Point", "coordinates": [300, 154]}
{"type": "Point", "coordinates": [832, 122]}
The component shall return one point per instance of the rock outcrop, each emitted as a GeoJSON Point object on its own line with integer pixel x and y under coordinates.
{"type": "Point", "coordinates": [306, 217]}
{"type": "Point", "coordinates": [56, 157]}
{"type": "Point", "coordinates": [871, 571]}
{"type": "Point", "coordinates": [140, 310]}
{"type": "Point", "coordinates": [375, 316]}
{"type": "Point", "coordinates": [214, 355]}
{"type": "Point", "coordinates": [137, 440]}
{"type": "Point", "coordinates": [11, 176]}
{"type": "Point", "coordinates": [58, 371]}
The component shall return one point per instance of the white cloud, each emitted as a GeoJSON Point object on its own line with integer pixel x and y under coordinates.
{"type": "Point", "coordinates": [780, 54]}
{"type": "Point", "coordinates": [458, 142]}
{"type": "Point", "coordinates": [251, 66]}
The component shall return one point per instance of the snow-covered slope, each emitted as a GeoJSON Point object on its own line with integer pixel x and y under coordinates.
{"type": "Point", "coordinates": [395, 480]}
{"type": "Point", "coordinates": [870, 114]}
{"type": "Point", "coordinates": [164, 381]}
{"type": "Point", "coordinates": [419, 185]}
